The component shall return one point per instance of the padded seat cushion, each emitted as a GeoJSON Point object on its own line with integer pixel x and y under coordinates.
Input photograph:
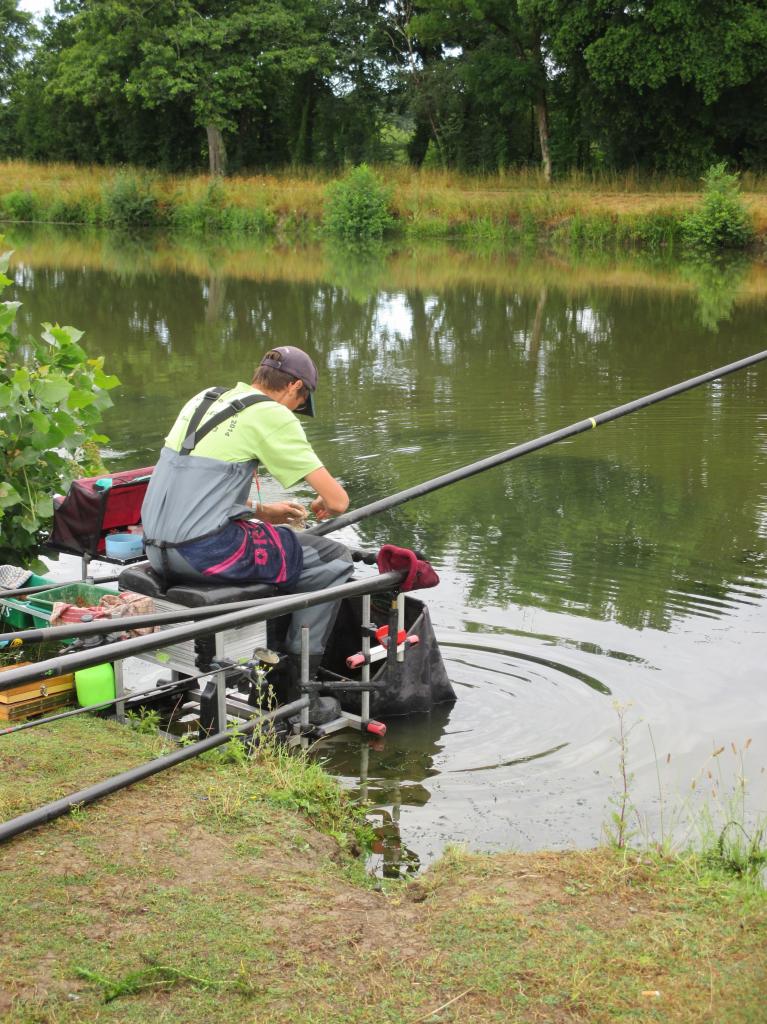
{"type": "Point", "coordinates": [144, 580]}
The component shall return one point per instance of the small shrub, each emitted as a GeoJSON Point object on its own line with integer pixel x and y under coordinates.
{"type": "Point", "coordinates": [74, 210]}
{"type": "Point", "coordinates": [592, 231]}
{"type": "Point", "coordinates": [211, 213]}
{"type": "Point", "coordinates": [721, 221]}
{"type": "Point", "coordinates": [145, 721]}
{"type": "Point", "coordinates": [129, 202]}
{"type": "Point", "coordinates": [655, 231]}
{"type": "Point", "coordinates": [20, 206]}
{"type": "Point", "coordinates": [357, 207]}
{"type": "Point", "coordinates": [259, 220]}
{"type": "Point", "coordinates": [51, 398]}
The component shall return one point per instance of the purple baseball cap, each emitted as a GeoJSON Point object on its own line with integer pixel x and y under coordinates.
{"type": "Point", "coordinates": [296, 363]}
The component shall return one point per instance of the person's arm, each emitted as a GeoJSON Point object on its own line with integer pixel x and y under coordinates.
{"type": "Point", "coordinates": [331, 498]}
{"type": "Point", "coordinates": [288, 513]}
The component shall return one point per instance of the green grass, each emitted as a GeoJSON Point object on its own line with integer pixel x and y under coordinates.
{"type": "Point", "coordinates": [607, 212]}
{"type": "Point", "coordinates": [208, 894]}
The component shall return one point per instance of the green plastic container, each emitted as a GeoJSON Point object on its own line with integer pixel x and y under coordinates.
{"type": "Point", "coordinates": [15, 612]}
{"type": "Point", "coordinates": [95, 685]}
{"type": "Point", "coordinates": [82, 594]}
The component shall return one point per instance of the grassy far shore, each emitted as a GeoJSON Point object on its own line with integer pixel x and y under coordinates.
{"type": "Point", "coordinates": [214, 893]}
{"type": "Point", "coordinates": [609, 210]}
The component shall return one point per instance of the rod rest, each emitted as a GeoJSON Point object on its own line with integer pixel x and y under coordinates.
{"type": "Point", "coordinates": [144, 580]}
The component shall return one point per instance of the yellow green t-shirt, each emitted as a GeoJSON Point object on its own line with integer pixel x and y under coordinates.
{"type": "Point", "coordinates": [267, 431]}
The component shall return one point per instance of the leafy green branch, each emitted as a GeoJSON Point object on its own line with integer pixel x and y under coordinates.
{"type": "Point", "coordinates": [52, 397]}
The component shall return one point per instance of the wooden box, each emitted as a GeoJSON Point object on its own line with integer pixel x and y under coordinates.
{"type": "Point", "coordinates": [36, 690]}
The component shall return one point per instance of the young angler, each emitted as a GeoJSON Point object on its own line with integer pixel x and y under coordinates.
{"type": "Point", "coordinates": [198, 521]}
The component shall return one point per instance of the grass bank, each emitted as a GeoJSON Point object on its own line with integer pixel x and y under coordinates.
{"type": "Point", "coordinates": [596, 213]}
{"type": "Point", "coordinates": [214, 893]}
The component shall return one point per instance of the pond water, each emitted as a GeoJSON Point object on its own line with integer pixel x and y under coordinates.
{"type": "Point", "coordinates": [625, 567]}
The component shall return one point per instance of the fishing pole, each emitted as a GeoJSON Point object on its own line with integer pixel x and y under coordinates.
{"type": "Point", "coordinates": [56, 809]}
{"type": "Point", "coordinates": [257, 612]}
{"type": "Point", "coordinates": [589, 423]}
{"type": "Point", "coordinates": [128, 623]}
{"type": "Point", "coordinates": [131, 700]}
{"type": "Point", "coordinates": [122, 624]}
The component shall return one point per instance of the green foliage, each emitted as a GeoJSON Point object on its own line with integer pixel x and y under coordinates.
{"type": "Point", "coordinates": [671, 86]}
{"type": "Point", "coordinates": [357, 207]}
{"type": "Point", "coordinates": [51, 398]}
{"type": "Point", "coordinates": [618, 830]}
{"type": "Point", "coordinates": [16, 32]}
{"type": "Point", "coordinates": [721, 221]}
{"type": "Point", "coordinates": [233, 752]}
{"type": "Point", "coordinates": [155, 976]}
{"type": "Point", "coordinates": [74, 210]}
{"type": "Point", "coordinates": [212, 213]}
{"type": "Point", "coordinates": [738, 851]}
{"type": "Point", "coordinates": [129, 202]}
{"type": "Point", "coordinates": [732, 838]}
{"type": "Point", "coordinates": [145, 721]}
{"type": "Point", "coordinates": [22, 206]}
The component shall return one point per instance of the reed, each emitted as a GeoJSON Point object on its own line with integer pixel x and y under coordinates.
{"type": "Point", "coordinates": [587, 212]}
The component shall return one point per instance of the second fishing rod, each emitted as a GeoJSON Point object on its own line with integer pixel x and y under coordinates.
{"type": "Point", "coordinates": [419, 490]}
{"type": "Point", "coordinates": [537, 444]}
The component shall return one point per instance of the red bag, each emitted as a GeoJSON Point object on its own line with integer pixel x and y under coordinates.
{"type": "Point", "coordinates": [420, 574]}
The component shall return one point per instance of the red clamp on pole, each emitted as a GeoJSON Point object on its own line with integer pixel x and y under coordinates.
{"type": "Point", "coordinates": [379, 653]}
{"type": "Point", "coordinates": [377, 728]}
{"type": "Point", "coordinates": [382, 635]}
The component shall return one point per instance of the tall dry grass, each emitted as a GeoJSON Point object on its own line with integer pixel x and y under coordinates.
{"type": "Point", "coordinates": [596, 209]}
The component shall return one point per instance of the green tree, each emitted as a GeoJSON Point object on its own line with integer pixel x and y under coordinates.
{"type": "Point", "coordinates": [16, 33]}
{"type": "Point", "coordinates": [501, 47]}
{"type": "Point", "coordinates": [675, 84]}
{"type": "Point", "coordinates": [216, 57]}
{"type": "Point", "coordinates": [16, 30]}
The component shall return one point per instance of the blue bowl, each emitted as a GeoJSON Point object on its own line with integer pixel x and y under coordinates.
{"type": "Point", "coordinates": [124, 545]}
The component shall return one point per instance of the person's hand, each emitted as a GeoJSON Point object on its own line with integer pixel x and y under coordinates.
{"type": "Point", "coordinates": [282, 513]}
{"type": "Point", "coordinates": [320, 509]}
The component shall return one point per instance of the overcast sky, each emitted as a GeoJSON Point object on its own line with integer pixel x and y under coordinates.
{"type": "Point", "coordinates": [36, 6]}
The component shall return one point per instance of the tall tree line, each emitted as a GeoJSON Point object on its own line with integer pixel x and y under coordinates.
{"type": "Point", "coordinates": [477, 85]}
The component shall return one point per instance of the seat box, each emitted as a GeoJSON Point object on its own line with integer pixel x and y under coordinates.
{"type": "Point", "coordinates": [237, 644]}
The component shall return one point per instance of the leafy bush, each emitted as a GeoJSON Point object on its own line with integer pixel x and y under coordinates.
{"type": "Point", "coordinates": [74, 210]}
{"type": "Point", "coordinates": [20, 206]}
{"type": "Point", "coordinates": [51, 397]}
{"type": "Point", "coordinates": [721, 221]}
{"type": "Point", "coordinates": [357, 207]}
{"type": "Point", "coordinates": [129, 202]}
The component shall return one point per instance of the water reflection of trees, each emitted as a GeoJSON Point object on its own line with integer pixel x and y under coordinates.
{"type": "Point", "coordinates": [615, 525]}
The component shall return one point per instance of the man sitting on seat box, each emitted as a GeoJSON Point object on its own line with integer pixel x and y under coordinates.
{"type": "Point", "coordinates": [198, 522]}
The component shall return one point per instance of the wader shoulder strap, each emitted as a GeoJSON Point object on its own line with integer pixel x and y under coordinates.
{"type": "Point", "coordinates": [194, 436]}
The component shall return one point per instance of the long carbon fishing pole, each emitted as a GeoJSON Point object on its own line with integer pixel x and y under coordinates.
{"type": "Point", "coordinates": [130, 700]}
{"type": "Point", "coordinates": [126, 623]}
{"type": "Point", "coordinates": [590, 423]}
{"type": "Point", "coordinates": [256, 612]}
{"type": "Point", "coordinates": [58, 808]}
{"type": "Point", "coordinates": [220, 620]}
{"type": "Point", "coordinates": [121, 624]}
